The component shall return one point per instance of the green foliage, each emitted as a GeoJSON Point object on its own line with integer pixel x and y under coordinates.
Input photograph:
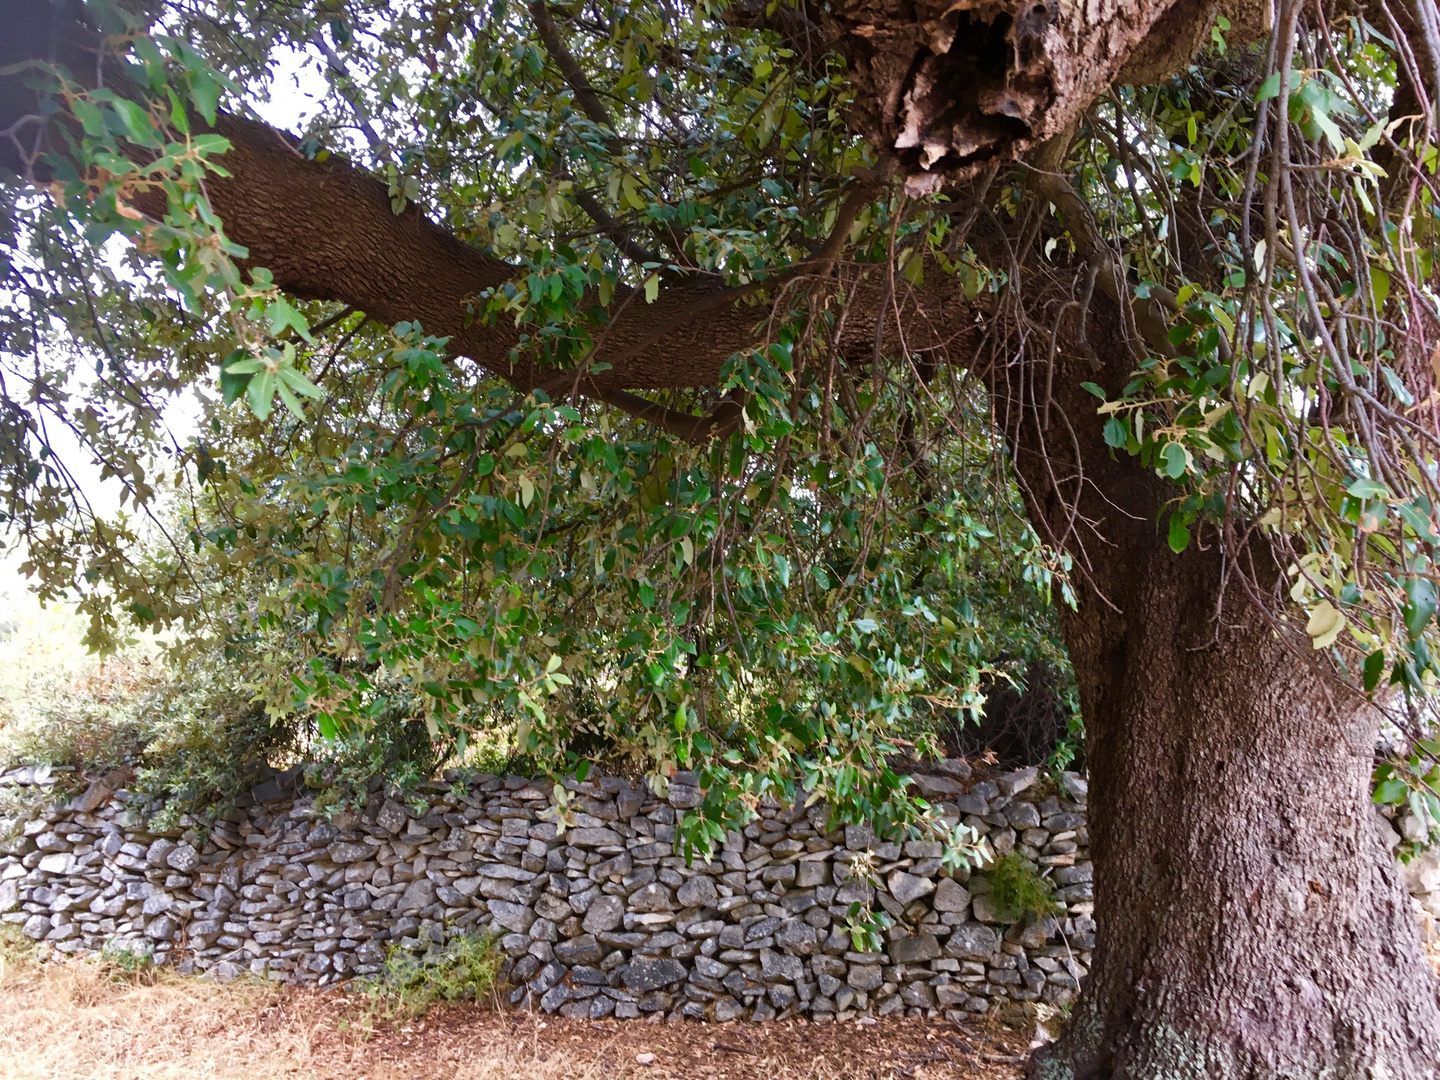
{"type": "Point", "coordinates": [128, 960]}
{"type": "Point", "coordinates": [785, 607]}
{"type": "Point", "coordinates": [17, 952]}
{"type": "Point", "coordinates": [466, 968]}
{"type": "Point", "coordinates": [1018, 890]}
{"type": "Point", "coordinates": [1412, 782]}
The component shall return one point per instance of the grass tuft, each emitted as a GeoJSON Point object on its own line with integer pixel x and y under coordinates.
{"type": "Point", "coordinates": [467, 968]}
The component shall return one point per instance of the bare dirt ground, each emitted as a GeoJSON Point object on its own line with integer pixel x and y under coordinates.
{"type": "Point", "coordinates": [74, 1022]}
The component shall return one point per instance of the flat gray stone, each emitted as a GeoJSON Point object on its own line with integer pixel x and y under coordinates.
{"type": "Point", "coordinates": [1075, 785]}
{"type": "Point", "coordinates": [985, 910]}
{"type": "Point", "coordinates": [594, 836]}
{"type": "Point", "coordinates": [918, 949]}
{"type": "Point", "coordinates": [160, 929]}
{"type": "Point", "coordinates": [907, 888]}
{"type": "Point", "coordinates": [937, 787]}
{"type": "Point", "coordinates": [865, 977]}
{"type": "Point", "coordinates": [950, 895]}
{"type": "Point", "coordinates": [392, 817]}
{"type": "Point", "coordinates": [699, 891]}
{"type": "Point", "coordinates": [775, 965]}
{"type": "Point", "coordinates": [183, 859]}
{"type": "Point", "coordinates": [642, 976]}
{"type": "Point", "coordinates": [36, 926]}
{"type": "Point", "coordinates": [973, 941]}
{"type": "Point", "coordinates": [653, 898]}
{"type": "Point", "coordinates": [515, 917]}
{"type": "Point", "coordinates": [418, 894]}
{"type": "Point", "coordinates": [606, 913]}
{"type": "Point", "coordinates": [580, 950]}
{"type": "Point", "coordinates": [350, 853]}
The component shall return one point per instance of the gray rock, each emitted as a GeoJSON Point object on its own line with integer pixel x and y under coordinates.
{"type": "Point", "coordinates": [937, 787]}
{"type": "Point", "coordinates": [956, 767]}
{"type": "Point", "coordinates": [1022, 815]}
{"type": "Point", "coordinates": [350, 853]}
{"type": "Point", "coordinates": [158, 850]}
{"type": "Point", "coordinates": [418, 895]}
{"type": "Point", "coordinates": [642, 976]}
{"type": "Point", "coordinates": [392, 817]}
{"type": "Point", "coordinates": [950, 895]}
{"type": "Point", "coordinates": [160, 929]}
{"type": "Point", "coordinates": [918, 949]}
{"type": "Point", "coordinates": [684, 796]}
{"type": "Point", "coordinates": [36, 926]}
{"type": "Point", "coordinates": [1072, 875]}
{"type": "Point", "coordinates": [797, 938]}
{"type": "Point", "coordinates": [651, 899]}
{"type": "Point", "coordinates": [1075, 785]}
{"type": "Point", "coordinates": [971, 803]}
{"type": "Point", "coordinates": [774, 965]}
{"type": "Point", "coordinates": [606, 913]}
{"type": "Point", "coordinates": [1015, 782]}
{"type": "Point", "coordinates": [918, 995]}
{"type": "Point", "coordinates": [727, 1009]}
{"type": "Point", "coordinates": [951, 995]}
{"type": "Point", "coordinates": [973, 941]}
{"type": "Point", "coordinates": [907, 887]}
{"type": "Point", "coordinates": [594, 836]}
{"type": "Point", "coordinates": [514, 917]}
{"type": "Point", "coordinates": [94, 797]}
{"type": "Point", "coordinates": [55, 863]}
{"type": "Point", "coordinates": [865, 977]}
{"type": "Point", "coordinates": [699, 891]}
{"type": "Point", "coordinates": [184, 858]}
{"type": "Point", "coordinates": [580, 950]}
{"type": "Point", "coordinates": [985, 910]}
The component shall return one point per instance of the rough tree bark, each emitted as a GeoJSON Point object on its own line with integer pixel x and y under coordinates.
{"type": "Point", "coordinates": [953, 85]}
{"type": "Point", "coordinates": [1250, 922]}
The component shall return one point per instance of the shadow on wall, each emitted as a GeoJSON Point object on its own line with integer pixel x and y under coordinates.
{"type": "Point", "coordinates": [1021, 727]}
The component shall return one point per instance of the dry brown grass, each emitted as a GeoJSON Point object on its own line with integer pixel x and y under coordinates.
{"type": "Point", "coordinates": [73, 1021]}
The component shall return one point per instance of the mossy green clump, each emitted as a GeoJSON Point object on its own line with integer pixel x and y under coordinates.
{"type": "Point", "coordinates": [1018, 891]}
{"type": "Point", "coordinates": [467, 968]}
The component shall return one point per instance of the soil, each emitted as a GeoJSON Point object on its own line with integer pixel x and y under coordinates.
{"type": "Point", "coordinates": [889, 1049]}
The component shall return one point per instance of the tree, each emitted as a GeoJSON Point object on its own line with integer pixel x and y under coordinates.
{"type": "Point", "coordinates": [848, 345]}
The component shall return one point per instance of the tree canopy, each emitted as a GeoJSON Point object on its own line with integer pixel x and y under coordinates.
{"type": "Point", "coordinates": [735, 384]}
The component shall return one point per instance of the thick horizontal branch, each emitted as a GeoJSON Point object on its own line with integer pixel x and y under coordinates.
{"type": "Point", "coordinates": [326, 231]}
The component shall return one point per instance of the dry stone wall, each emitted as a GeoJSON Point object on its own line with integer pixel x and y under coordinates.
{"type": "Point", "coordinates": [601, 918]}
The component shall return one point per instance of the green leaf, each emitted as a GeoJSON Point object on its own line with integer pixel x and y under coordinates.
{"type": "Point", "coordinates": [1368, 489]}
{"type": "Point", "coordinates": [282, 314]}
{"type": "Point", "coordinates": [260, 394]}
{"type": "Point", "coordinates": [1179, 538]}
{"type": "Point", "coordinates": [1116, 433]}
{"type": "Point", "coordinates": [1174, 460]}
{"type": "Point", "coordinates": [1270, 88]}
{"type": "Point", "coordinates": [1374, 668]}
{"type": "Point", "coordinates": [138, 123]}
{"type": "Point", "coordinates": [1093, 389]}
{"type": "Point", "coordinates": [1392, 791]}
{"type": "Point", "coordinates": [1421, 596]}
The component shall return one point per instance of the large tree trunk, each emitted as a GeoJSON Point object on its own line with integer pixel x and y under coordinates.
{"type": "Point", "coordinates": [1250, 922]}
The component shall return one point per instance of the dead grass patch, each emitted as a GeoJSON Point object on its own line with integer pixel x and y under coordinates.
{"type": "Point", "coordinates": [73, 1021]}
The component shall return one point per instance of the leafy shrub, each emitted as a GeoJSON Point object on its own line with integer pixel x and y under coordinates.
{"type": "Point", "coordinates": [17, 951]}
{"type": "Point", "coordinates": [1018, 890]}
{"type": "Point", "coordinates": [128, 960]}
{"type": "Point", "coordinates": [467, 968]}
